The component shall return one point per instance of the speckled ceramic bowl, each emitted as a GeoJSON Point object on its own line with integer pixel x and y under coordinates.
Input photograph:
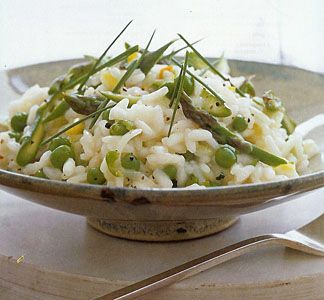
{"type": "Point", "coordinates": [170, 214]}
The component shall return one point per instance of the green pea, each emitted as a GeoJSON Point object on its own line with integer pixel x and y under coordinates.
{"type": "Point", "coordinates": [40, 174]}
{"type": "Point", "coordinates": [192, 179]}
{"type": "Point", "coordinates": [171, 171]}
{"type": "Point", "coordinates": [19, 121]}
{"type": "Point", "coordinates": [60, 155]}
{"type": "Point", "coordinates": [59, 141]}
{"type": "Point", "coordinates": [129, 161]}
{"type": "Point", "coordinates": [121, 127]}
{"type": "Point", "coordinates": [95, 176]}
{"type": "Point", "coordinates": [15, 135]}
{"type": "Point", "coordinates": [239, 123]}
{"type": "Point", "coordinates": [225, 157]}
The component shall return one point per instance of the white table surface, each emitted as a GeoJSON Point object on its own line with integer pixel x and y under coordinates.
{"type": "Point", "coordinates": [64, 242]}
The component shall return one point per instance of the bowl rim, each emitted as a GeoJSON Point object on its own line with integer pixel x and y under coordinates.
{"type": "Point", "coordinates": [240, 192]}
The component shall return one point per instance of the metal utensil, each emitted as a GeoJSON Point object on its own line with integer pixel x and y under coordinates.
{"type": "Point", "coordinates": [308, 239]}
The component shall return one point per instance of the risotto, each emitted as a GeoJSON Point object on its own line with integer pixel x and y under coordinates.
{"type": "Point", "coordinates": [146, 120]}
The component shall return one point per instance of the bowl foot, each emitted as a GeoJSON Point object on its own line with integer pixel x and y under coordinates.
{"type": "Point", "coordinates": [161, 231]}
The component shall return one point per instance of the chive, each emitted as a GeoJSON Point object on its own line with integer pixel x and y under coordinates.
{"type": "Point", "coordinates": [173, 53]}
{"type": "Point", "coordinates": [179, 92]}
{"type": "Point", "coordinates": [201, 82]}
{"type": "Point", "coordinates": [74, 124]}
{"type": "Point", "coordinates": [214, 63]}
{"type": "Point", "coordinates": [109, 63]}
{"type": "Point", "coordinates": [91, 72]}
{"type": "Point", "coordinates": [175, 89]}
{"type": "Point", "coordinates": [131, 68]}
{"type": "Point", "coordinates": [210, 65]}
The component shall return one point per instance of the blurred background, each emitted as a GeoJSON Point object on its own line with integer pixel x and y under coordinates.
{"type": "Point", "coordinates": [281, 32]}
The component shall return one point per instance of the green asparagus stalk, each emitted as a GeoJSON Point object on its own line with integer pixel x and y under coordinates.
{"type": "Point", "coordinates": [32, 139]}
{"type": "Point", "coordinates": [31, 142]}
{"type": "Point", "coordinates": [224, 136]}
{"type": "Point", "coordinates": [118, 97]}
{"type": "Point", "coordinates": [82, 104]}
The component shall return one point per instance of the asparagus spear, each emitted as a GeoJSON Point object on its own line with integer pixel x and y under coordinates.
{"type": "Point", "coordinates": [32, 139]}
{"type": "Point", "coordinates": [29, 147]}
{"type": "Point", "coordinates": [118, 97]}
{"type": "Point", "coordinates": [82, 104]}
{"type": "Point", "coordinates": [61, 83]}
{"type": "Point", "coordinates": [224, 136]}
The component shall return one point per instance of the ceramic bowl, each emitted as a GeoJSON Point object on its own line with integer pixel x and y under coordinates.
{"type": "Point", "coordinates": [170, 214]}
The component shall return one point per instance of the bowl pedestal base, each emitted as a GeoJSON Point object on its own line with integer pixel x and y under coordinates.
{"type": "Point", "coordinates": [161, 231]}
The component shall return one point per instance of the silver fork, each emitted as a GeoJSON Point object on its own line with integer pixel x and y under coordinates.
{"type": "Point", "coordinates": [308, 239]}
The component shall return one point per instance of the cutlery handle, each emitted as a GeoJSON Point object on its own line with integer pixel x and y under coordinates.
{"type": "Point", "coordinates": [190, 268]}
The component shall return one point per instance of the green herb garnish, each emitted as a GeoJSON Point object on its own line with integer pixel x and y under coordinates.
{"type": "Point", "coordinates": [93, 69]}
{"type": "Point", "coordinates": [179, 91]}
{"type": "Point", "coordinates": [75, 124]}
{"type": "Point", "coordinates": [210, 65]}
{"type": "Point", "coordinates": [131, 68]}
